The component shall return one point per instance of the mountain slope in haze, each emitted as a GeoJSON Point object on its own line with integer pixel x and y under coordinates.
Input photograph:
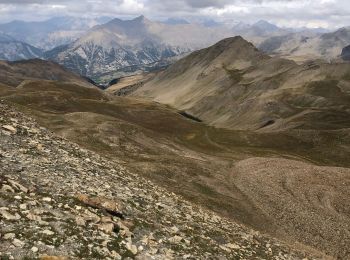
{"type": "Point", "coordinates": [130, 45]}
{"type": "Point", "coordinates": [50, 33]}
{"type": "Point", "coordinates": [326, 46]}
{"type": "Point", "coordinates": [14, 73]}
{"type": "Point", "coordinates": [12, 49]}
{"type": "Point", "coordinates": [259, 31]}
{"type": "Point", "coordinates": [234, 85]}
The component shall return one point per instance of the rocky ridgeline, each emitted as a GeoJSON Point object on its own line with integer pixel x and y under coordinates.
{"type": "Point", "coordinates": [59, 201]}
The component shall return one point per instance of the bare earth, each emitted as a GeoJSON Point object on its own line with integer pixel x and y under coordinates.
{"type": "Point", "coordinates": [313, 202]}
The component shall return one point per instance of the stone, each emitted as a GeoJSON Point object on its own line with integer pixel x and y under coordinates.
{"type": "Point", "coordinates": [7, 188]}
{"type": "Point", "coordinates": [47, 199]}
{"type": "Point", "coordinates": [18, 243]}
{"type": "Point", "coordinates": [34, 249]}
{"type": "Point", "coordinates": [10, 129]}
{"type": "Point", "coordinates": [107, 227]}
{"type": "Point", "coordinates": [33, 217]}
{"type": "Point", "coordinates": [23, 206]}
{"type": "Point", "coordinates": [232, 246]}
{"type": "Point", "coordinates": [18, 186]}
{"type": "Point", "coordinates": [106, 219]}
{"type": "Point", "coordinates": [132, 248]}
{"type": "Point", "coordinates": [174, 230]}
{"type": "Point", "coordinates": [6, 215]}
{"type": "Point", "coordinates": [9, 236]}
{"type": "Point", "coordinates": [175, 239]}
{"type": "Point", "coordinates": [112, 206]}
{"type": "Point", "coordinates": [48, 232]}
{"type": "Point", "coordinates": [46, 257]}
{"type": "Point", "coordinates": [80, 221]}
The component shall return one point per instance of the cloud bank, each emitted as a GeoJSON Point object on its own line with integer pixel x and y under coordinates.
{"type": "Point", "coordinates": [289, 13]}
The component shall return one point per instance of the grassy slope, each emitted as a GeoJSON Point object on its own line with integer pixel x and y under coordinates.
{"type": "Point", "coordinates": [232, 85]}
{"type": "Point", "coordinates": [187, 157]}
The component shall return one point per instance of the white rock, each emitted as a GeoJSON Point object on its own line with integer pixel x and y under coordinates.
{"type": "Point", "coordinates": [9, 216]}
{"type": "Point", "coordinates": [132, 248]}
{"type": "Point", "coordinates": [48, 232]}
{"type": "Point", "coordinates": [18, 186]}
{"type": "Point", "coordinates": [174, 229]}
{"type": "Point", "coordinates": [232, 246]}
{"type": "Point", "coordinates": [9, 128]}
{"type": "Point", "coordinates": [47, 199]}
{"type": "Point", "coordinates": [175, 239]}
{"type": "Point", "coordinates": [18, 243]}
{"type": "Point", "coordinates": [9, 236]}
{"type": "Point", "coordinates": [34, 249]}
{"type": "Point", "coordinates": [33, 217]}
{"type": "Point", "coordinates": [23, 206]}
{"type": "Point", "coordinates": [7, 188]}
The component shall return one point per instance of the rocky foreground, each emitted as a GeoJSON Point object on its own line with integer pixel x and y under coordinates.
{"type": "Point", "coordinates": [59, 201]}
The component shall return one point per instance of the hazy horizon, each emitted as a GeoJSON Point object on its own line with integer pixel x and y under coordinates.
{"type": "Point", "coordinates": [329, 14]}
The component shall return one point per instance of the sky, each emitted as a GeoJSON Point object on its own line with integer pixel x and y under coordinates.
{"type": "Point", "coordinates": [329, 14]}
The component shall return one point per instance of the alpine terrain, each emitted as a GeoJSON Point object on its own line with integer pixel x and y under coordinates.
{"type": "Point", "coordinates": [131, 45]}
{"type": "Point", "coordinates": [210, 130]}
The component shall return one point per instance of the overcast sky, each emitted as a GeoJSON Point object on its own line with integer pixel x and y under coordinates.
{"type": "Point", "coordinates": [290, 13]}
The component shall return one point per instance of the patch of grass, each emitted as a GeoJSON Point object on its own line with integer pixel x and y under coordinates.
{"type": "Point", "coordinates": [235, 74]}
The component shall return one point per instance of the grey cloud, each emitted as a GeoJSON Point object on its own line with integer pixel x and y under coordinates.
{"type": "Point", "coordinates": [334, 13]}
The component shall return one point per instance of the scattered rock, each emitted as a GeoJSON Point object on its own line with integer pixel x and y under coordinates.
{"type": "Point", "coordinates": [47, 199]}
{"type": "Point", "coordinates": [46, 257]}
{"type": "Point", "coordinates": [9, 236]}
{"type": "Point", "coordinates": [9, 128]}
{"type": "Point", "coordinates": [45, 173]}
{"type": "Point", "coordinates": [18, 243]}
{"type": "Point", "coordinates": [5, 214]}
{"type": "Point", "coordinates": [48, 232]}
{"type": "Point", "coordinates": [111, 206]}
{"type": "Point", "coordinates": [132, 248]}
{"type": "Point", "coordinates": [7, 188]}
{"type": "Point", "coordinates": [107, 227]}
{"type": "Point", "coordinates": [18, 186]}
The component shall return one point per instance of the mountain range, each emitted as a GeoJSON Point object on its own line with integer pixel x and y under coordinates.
{"type": "Point", "coordinates": [131, 45]}
{"type": "Point", "coordinates": [105, 49]}
{"type": "Point", "coordinates": [12, 49]}
{"type": "Point", "coordinates": [50, 33]}
{"type": "Point", "coordinates": [251, 137]}
{"type": "Point", "coordinates": [234, 85]}
{"type": "Point", "coordinates": [304, 46]}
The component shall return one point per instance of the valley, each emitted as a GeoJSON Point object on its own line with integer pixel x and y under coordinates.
{"type": "Point", "coordinates": [207, 165]}
{"type": "Point", "coordinates": [173, 138]}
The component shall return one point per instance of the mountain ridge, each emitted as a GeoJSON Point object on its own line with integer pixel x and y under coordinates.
{"type": "Point", "coordinates": [218, 85]}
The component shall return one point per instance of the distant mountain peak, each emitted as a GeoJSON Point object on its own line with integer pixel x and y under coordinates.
{"type": "Point", "coordinates": [141, 18]}
{"type": "Point", "coordinates": [234, 43]}
{"type": "Point", "coordinates": [175, 21]}
{"type": "Point", "coordinates": [265, 25]}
